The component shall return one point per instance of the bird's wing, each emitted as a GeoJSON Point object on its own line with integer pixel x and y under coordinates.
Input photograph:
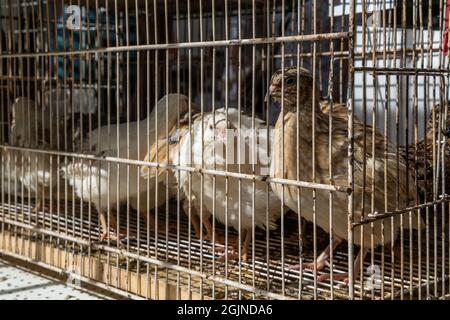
{"type": "Point", "coordinates": [158, 153]}
{"type": "Point", "coordinates": [113, 140]}
{"type": "Point", "coordinates": [165, 150]}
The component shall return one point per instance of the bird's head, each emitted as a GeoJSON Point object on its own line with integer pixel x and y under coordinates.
{"type": "Point", "coordinates": [294, 82]}
{"type": "Point", "coordinates": [216, 127]}
{"type": "Point", "coordinates": [66, 171]}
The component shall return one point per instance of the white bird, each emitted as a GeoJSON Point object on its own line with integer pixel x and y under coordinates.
{"type": "Point", "coordinates": [91, 182]}
{"type": "Point", "coordinates": [34, 126]}
{"type": "Point", "coordinates": [243, 201]}
{"type": "Point", "coordinates": [166, 151]}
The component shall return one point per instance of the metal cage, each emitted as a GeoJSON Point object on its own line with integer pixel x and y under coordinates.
{"type": "Point", "coordinates": [168, 149]}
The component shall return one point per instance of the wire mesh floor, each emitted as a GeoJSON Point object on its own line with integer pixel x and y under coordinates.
{"type": "Point", "coordinates": [189, 265]}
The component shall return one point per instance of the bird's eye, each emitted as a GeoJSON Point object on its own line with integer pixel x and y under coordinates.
{"type": "Point", "coordinates": [210, 126]}
{"type": "Point", "coordinates": [290, 81]}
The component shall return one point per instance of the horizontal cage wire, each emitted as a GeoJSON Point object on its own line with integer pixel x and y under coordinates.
{"type": "Point", "coordinates": [229, 149]}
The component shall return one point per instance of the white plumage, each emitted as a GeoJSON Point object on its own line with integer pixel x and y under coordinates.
{"type": "Point", "coordinates": [227, 205]}
{"type": "Point", "coordinates": [91, 182]}
{"type": "Point", "coordinates": [34, 126]}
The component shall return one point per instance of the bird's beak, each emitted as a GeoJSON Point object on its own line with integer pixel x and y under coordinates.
{"type": "Point", "coordinates": [271, 90]}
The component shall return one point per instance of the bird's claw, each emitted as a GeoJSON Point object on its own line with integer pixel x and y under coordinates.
{"type": "Point", "coordinates": [321, 264]}
{"type": "Point", "coordinates": [41, 207]}
{"type": "Point", "coordinates": [105, 236]}
{"type": "Point", "coordinates": [336, 277]}
{"type": "Point", "coordinates": [233, 255]}
{"type": "Point", "coordinates": [220, 239]}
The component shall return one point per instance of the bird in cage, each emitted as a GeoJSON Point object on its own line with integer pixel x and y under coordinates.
{"type": "Point", "coordinates": [36, 126]}
{"type": "Point", "coordinates": [110, 185]}
{"type": "Point", "coordinates": [223, 140]}
{"type": "Point", "coordinates": [373, 192]}
{"type": "Point", "coordinates": [166, 151]}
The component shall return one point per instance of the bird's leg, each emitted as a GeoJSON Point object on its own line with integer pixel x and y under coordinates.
{"type": "Point", "coordinates": [40, 206]}
{"type": "Point", "coordinates": [234, 252]}
{"type": "Point", "coordinates": [195, 221]}
{"type": "Point", "coordinates": [104, 227]}
{"type": "Point", "coordinates": [122, 232]}
{"type": "Point", "coordinates": [246, 245]}
{"type": "Point", "coordinates": [344, 276]}
{"type": "Point", "coordinates": [212, 236]}
{"type": "Point", "coordinates": [321, 260]}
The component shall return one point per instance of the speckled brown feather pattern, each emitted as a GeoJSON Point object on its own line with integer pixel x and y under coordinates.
{"type": "Point", "coordinates": [374, 166]}
{"type": "Point", "coordinates": [420, 155]}
{"type": "Point", "coordinates": [423, 164]}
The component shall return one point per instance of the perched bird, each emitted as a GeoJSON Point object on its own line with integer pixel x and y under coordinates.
{"type": "Point", "coordinates": [295, 85]}
{"type": "Point", "coordinates": [109, 186]}
{"type": "Point", "coordinates": [166, 151]}
{"type": "Point", "coordinates": [234, 202]}
{"type": "Point", "coordinates": [34, 126]}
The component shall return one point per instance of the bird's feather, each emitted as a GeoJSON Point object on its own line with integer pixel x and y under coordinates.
{"type": "Point", "coordinates": [293, 158]}
{"type": "Point", "coordinates": [113, 184]}
{"type": "Point", "coordinates": [242, 197]}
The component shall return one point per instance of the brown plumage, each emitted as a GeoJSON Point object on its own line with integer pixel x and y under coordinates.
{"type": "Point", "coordinates": [420, 155]}
{"type": "Point", "coordinates": [382, 201]}
{"type": "Point", "coordinates": [339, 110]}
